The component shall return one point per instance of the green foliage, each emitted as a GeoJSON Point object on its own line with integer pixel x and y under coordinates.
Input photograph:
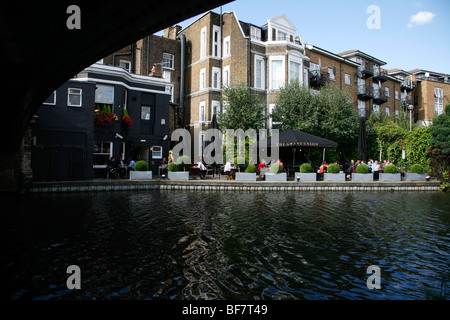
{"type": "Point", "coordinates": [306, 168]}
{"type": "Point", "coordinates": [389, 138]}
{"type": "Point", "coordinates": [328, 114]}
{"type": "Point", "coordinates": [440, 131]}
{"type": "Point", "coordinates": [172, 166]}
{"type": "Point", "coordinates": [333, 168]}
{"type": "Point", "coordinates": [276, 168]}
{"type": "Point", "coordinates": [416, 168]}
{"type": "Point", "coordinates": [182, 160]}
{"type": "Point", "coordinates": [141, 165]}
{"type": "Point", "coordinates": [390, 168]}
{"type": "Point", "coordinates": [362, 168]}
{"type": "Point", "coordinates": [241, 109]}
{"type": "Point", "coordinates": [251, 168]}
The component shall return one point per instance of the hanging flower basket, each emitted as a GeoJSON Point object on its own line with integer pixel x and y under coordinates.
{"type": "Point", "coordinates": [104, 117]}
{"type": "Point", "coordinates": [126, 119]}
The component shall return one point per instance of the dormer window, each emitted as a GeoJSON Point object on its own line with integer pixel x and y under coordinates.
{"type": "Point", "coordinates": [255, 33]}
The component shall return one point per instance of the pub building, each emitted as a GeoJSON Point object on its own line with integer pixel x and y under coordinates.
{"type": "Point", "coordinates": [86, 122]}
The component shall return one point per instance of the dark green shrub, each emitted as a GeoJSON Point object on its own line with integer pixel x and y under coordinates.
{"type": "Point", "coordinates": [390, 168]}
{"type": "Point", "coordinates": [306, 168]}
{"type": "Point", "coordinates": [172, 166]}
{"type": "Point", "coordinates": [417, 168]}
{"type": "Point", "coordinates": [182, 160]}
{"type": "Point", "coordinates": [333, 168]}
{"type": "Point", "coordinates": [362, 168]}
{"type": "Point", "coordinates": [276, 168]}
{"type": "Point", "coordinates": [251, 168]}
{"type": "Point", "coordinates": [141, 165]}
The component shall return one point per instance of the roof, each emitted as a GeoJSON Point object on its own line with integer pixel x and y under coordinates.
{"type": "Point", "coordinates": [350, 53]}
{"type": "Point", "coordinates": [333, 55]}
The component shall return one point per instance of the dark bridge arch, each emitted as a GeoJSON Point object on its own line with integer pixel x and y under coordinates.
{"type": "Point", "coordinates": [39, 52]}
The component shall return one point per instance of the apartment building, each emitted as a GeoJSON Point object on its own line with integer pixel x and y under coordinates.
{"type": "Point", "coordinates": [224, 51]}
{"type": "Point", "coordinates": [377, 91]}
{"type": "Point", "coordinates": [327, 67]}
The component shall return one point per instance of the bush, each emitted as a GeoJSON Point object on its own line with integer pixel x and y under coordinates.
{"type": "Point", "coordinates": [182, 160]}
{"type": "Point", "coordinates": [251, 168]}
{"type": "Point", "coordinates": [362, 168]}
{"type": "Point", "coordinates": [390, 168]}
{"type": "Point", "coordinates": [333, 168]}
{"type": "Point", "coordinates": [417, 168]}
{"type": "Point", "coordinates": [172, 166]}
{"type": "Point", "coordinates": [276, 168]}
{"type": "Point", "coordinates": [306, 168]}
{"type": "Point", "coordinates": [141, 165]}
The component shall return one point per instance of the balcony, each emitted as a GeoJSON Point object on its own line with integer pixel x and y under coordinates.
{"type": "Point", "coordinates": [365, 92]}
{"type": "Point", "coordinates": [317, 78]}
{"type": "Point", "coordinates": [379, 76]}
{"type": "Point", "coordinates": [408, 85]}
{"type": "Point", "coordinates": [379, 97]}
{"type": "Point", "coordinates": [407, 102]}
{"type": "Point", "coordinates": [365, 70]}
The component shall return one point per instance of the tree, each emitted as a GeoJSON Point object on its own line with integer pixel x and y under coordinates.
{"type": "Point", "coordinates": [439, 151]}
{"type": "Point", "coordinates": [241, 109]}
{"type": "Point", "coordinates": [328, 113]}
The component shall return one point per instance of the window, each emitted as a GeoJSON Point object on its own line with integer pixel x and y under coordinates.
{"type": "Point", "coordinates": [376, 108]}
{"type": "Point", "coordinates": [202, 78]}
{"type": "Point", "coordinates": [145, 112]}
{"type": "Point", "coordinates": [255, 33]}
{"type": "Point", "coordinates": [215, 78]}
{"type": "Point", "coordinates": [125, 64]}
{"type": "Point", "coordinates": [156, 152]}
{"type": "Point", "coordinates": [438, 101]}
{"type": "Point", "coordinates": [168, 60]}
{"type": "Point", "coordinates": [294, 71]}
{"type": "Point", "coordinates": [104, 94]}
{"type": "Point", "coordinates": [102, 152]}
{"type": "Point", "coordinates": [281, 35]}
{"type": "Point", "coordinates": [396, 95]}
{"type": "Point", "coordinates": [226, 46]}
{"type": "Point", "coordinates": [203, 43]}
{"type": "Point", "coordinates": [74, 97]}
{"type": "Point", "coordinates": [277, 73]}
{"type": "Point", "coordinates": [226, 76]}
{"type": "Point", "coordinates": [397, 113]}
{"type": "Point", "coordinates": [215, 108]}
{"type": "Point", "coordinates": [388, 111]}
{"type": "Point", "coordinates": [331, 74]}
{"type": "Point", "coordinates": [386, 92]}
{"type": "Point", "coordinates": [259, 72]}
{"type": "Point", "coordinates": [201, 115]}
{"type": "Point", "coordinates": [51, 100]}
{"type": "Point", "coordinates": [347, 79]}
{"type": "Point", "coordinates": [216, 42]}
{"type": "Point", "coordinates": [305, 77]}
{"type": "Point", "coordinates": [361, 108]}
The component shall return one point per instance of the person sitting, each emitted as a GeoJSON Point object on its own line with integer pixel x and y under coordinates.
{"type": "Point", "coordinates": [227, 169]}
{"type": "Point", "coordinates": [112, 167]}
{"type": "Point", "coordinates": [201, 166]}
{"type": "Point", "coordinates": [261, 165]}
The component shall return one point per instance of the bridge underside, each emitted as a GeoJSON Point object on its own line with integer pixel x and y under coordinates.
{"type": "Point", "coordinates": [40, 53]}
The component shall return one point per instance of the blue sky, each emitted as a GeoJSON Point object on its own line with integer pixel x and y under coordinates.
{"type": "Point", "coordinates": [412, 33]}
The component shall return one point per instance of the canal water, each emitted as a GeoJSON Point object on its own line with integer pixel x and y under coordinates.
{"type": "Point", "coordinates": [227, 245]}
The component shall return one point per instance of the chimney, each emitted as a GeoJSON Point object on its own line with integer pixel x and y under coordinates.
{"type": "Point", "coordinates": [172, 32]}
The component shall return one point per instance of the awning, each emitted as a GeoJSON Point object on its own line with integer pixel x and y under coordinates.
{"type": "Point", "coordinates": [294, 138]}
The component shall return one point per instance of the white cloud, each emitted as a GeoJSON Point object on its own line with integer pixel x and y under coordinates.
{"type": "Point", "coordinates": [421, 18]}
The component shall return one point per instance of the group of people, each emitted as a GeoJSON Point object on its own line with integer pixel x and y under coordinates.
{"type": "Point", "coordinates": [374, 166]}
{"type": "Point", "coordinates": [229, 166]}
{"type": "Point", "coordinates": [118, 167]}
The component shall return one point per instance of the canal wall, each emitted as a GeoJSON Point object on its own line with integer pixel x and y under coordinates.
{"type": "Point", "coordinates": [226, 185]}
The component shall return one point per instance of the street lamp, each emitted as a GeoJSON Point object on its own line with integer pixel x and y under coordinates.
{"type": "Point", "coordinates": [410, 108]}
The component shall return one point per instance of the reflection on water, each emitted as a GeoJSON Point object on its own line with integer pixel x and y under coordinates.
{"type": "Point", "coordinates": [253, 245]}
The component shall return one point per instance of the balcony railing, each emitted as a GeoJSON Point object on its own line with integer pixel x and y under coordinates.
{"type": "Point", "coordinates": [317, 78]}
{"type": "Point", "coordinates": [379, 75]}
{"type": "Point", "coordinates": [365, 92]}
{"type": "Point", "coordinates": [379, 96]}
{"type": "Point", "coordinates": [408, 85]}
{"type": "Point", "coordinates": [366, 70]}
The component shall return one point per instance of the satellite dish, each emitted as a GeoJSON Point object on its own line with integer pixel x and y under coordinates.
{"type": "Point", "coordinates": [427, 74]}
